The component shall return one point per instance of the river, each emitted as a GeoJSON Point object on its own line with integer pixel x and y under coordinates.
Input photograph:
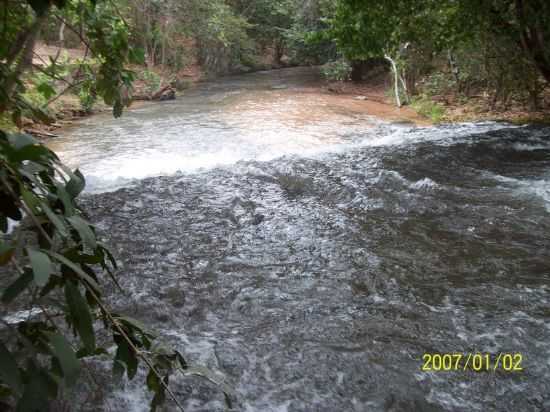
{"type": "Point", "coordinates": [310, 254]}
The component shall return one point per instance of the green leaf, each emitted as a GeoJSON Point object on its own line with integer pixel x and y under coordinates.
{"type": "Point", "coordinates": [181, 360]}
{"type": "Point", "coordinates": [84, 231]}
{"type": "Point", "coordinates": [136, 55]}
{"type": "Point", "coordinates": [75, 268]}
{"type": "Point", "coordinates": [46, 90]}
{"type": "Point", "coordinates": [9, 372]}
{"type": "Point", "coordinates": [77, 257]}
{"type": "Point", "coordinates": [110, 256]}
{"type": "Point", "coordinates": [117, 108]}
{"type": "Point", "coordinates": [105, 252]}
{"type": "Point", "coordinates": [57, 222]}
{"type": "Point", "coordinates": [154, 385]}
{"type": "Point", "coordinates": [133, 323]}
{"type": "Point", "coordinates": [53, 283]}
{"type": "Point", "coordinates": [125, 353]}
{"type": "Point", "coordinates": [20, 140]}
{"type": "Point", "coordinates": [118, 370]}
{"type": "Point", "coordinates": [152, 381]}
{"type": "Point", "coordinates": [3, 223]}
{"type": "Point", "coordinates": [18, 286]}
{"type": "Point", "coordinates": [35, 394]}
{"type": "Point", "coordinates": [6, 253]}
{"type": "Point", "coordinates": [160, 395]}
{"type": "Point", "coordinates": [41, 266]}
{"type": "Point", "coordinates": [66, 356]}
{"type": "Point", "coordinates": [30, 199]}
{"type": "Point", "coordinates": [80, 315]}
{"type": "Point", "coordinates": [33, 152]}
{"type": "Point", "coordinates": [76, 184]}
{"type": "Point", "coordinates": [67, 201]}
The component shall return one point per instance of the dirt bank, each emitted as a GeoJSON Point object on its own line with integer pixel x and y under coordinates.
{"type": "Point", "coordinates": [370, 96]}
{"type": "Point", "coordinates": [436, 109]}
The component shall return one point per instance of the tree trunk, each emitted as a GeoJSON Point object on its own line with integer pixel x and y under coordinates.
{"type": "Point", "coordinates": [357, 71]}
{"type": "Point", "coordinates": [62, 34]}
{"type": "Point", "coordinates": [405, 90]}
{"type": "Point", "coordinates": [396, 79]}
{"type": "Point", "coordinates": [534, 96]}
{"type": "Point", "coordinates": [410, 81]}
{"type": "Point", "coordinates": [163, 51]}
{"type": "Point", "coordinates": [279, 51]}
{"type": "Point", "coordinates": [454, 69]}
{"type": "Point", "coordinates": [24, 53]}
{"type": "Point", "coordinates": [153, 55]}
{"type": "Point", "coordinates": [531, 35]}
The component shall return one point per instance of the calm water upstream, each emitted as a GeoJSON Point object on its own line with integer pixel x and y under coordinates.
{"type": "Point", "coordinates": [309, 255]}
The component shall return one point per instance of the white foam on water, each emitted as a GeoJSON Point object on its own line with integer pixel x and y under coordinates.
{"type": "Point", "coordinates": [12, 224]}
{"type": "Point", "coordinates": [540, 188]}
{"type": "Point", "coordinates": [22, 315]}
{"type": "Point", "coordinates": [133, 399]}
{"type": "Point", "coordinates": [523, 147]}
{"type": "Point", "coordinates": [451, 403]}
{"type": "Point", "coordinates": [527, 187]}
{"type": "Point", "coordinates": [424, 184]}
{"type": "Point", "coordinates": [283, 407]}
{"type": "Point", "coordinates": [113, 154]}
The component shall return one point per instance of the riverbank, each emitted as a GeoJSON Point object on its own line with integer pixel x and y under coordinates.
{"type": "Point", "coordinates": [369, 100]}
{"type": "Point", "coordinates": [371, 97]}
{"type": "Point", "coordinates": [478, 109]}
{"type": "Point", "coordinates": [443, 108]}
{"type": "Point", "coordinates": [151, 83]}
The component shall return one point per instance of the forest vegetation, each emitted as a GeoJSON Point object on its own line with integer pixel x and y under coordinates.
{"type": "Point", "coordinates": [483, 56]}
{"type": "Point", "coordinates": [434, 53]}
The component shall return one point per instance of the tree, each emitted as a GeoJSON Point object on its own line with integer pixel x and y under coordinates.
{"type": "Point", "coordinates": [523, 22]}
{"type": "Point", "coordinates": [370, 29]}
{"type": "Point", "coordinates": [413, 36]}
{"type": "Point", "coordinates": [306, 38]}
{"type": "Point", "coordinates": [269, 21]}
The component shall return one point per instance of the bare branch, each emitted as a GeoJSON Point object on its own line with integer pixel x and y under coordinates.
{"type": "Point", "coordinates": [51, 75]}
{"type": "Point", "coordinates": [69, 87]}
{"type": "Point", "coordinates": [74, 30]}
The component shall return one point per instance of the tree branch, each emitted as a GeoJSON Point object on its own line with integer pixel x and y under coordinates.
{"type": "Point", "coordinates": [74, 30]}
{"type": "Point", "coordinates": [69, 87]}
{"type": "Point", "coordinates": [25, 61]}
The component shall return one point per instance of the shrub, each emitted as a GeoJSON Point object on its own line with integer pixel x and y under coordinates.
{"type": "Point", "coordinates": [339, 70]}
{"type": "Point", "coordinates": [152, 81]}
{"type": "Point", "coordinates": [427, 107]}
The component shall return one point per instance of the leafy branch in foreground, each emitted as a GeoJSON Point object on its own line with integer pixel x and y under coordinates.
{"type": "Point", "coordinates": [51, 261]}
{"type": "Point", "coordinates": [54, 258]}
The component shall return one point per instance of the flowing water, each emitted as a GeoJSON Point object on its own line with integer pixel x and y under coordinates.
{"type": "Point", "coordinates": [310, 255]}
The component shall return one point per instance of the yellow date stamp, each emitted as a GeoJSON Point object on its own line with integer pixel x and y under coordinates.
{"type": "Point", "coordinates": [476, 362]}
